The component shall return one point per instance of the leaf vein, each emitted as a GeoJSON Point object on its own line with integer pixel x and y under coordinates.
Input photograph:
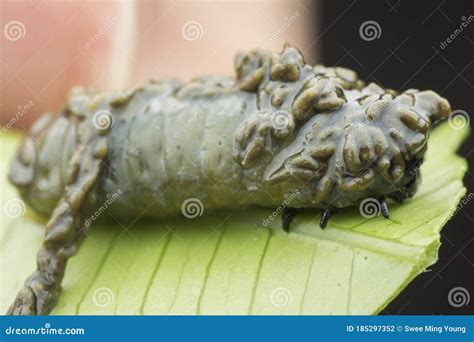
{"type": "Point", "coordinates": [308, 278]}
{"type": "Point", "coordinates": [155, 271]}
{"type": "Point", "coordinates": [208, 270]}
{"type": "Point", "coordinates": [349, 291]}
{"type": "Point", "coordinates": [105, 255]}
{"type": "Point", "coordinates": [259, 270]}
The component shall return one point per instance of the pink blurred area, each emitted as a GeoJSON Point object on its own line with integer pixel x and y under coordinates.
{"type": "Point", "coordinates": [114, 45]}
{"type": "Point", "coordinates": [50, 58]}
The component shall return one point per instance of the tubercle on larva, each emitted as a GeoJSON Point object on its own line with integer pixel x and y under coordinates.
{"type": "Point", "coordinates": [288, 92]}
{"type": "Point", "coordinates": [357, 140]}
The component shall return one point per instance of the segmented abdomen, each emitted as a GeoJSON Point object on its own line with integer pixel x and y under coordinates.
{"type": "Point", "coordinates": [167, 147]}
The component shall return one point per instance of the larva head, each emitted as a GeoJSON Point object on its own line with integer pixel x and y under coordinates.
{"type": "Point", "coordinates": [322, 131]}
{"type": "Point", "coordinates": [39, 168]}
{"type": "Point", "coordinates": [372, 146]}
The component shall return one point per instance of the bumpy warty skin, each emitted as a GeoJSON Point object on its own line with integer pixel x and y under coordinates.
{"type": "Point", "coordinates": [280, 127]}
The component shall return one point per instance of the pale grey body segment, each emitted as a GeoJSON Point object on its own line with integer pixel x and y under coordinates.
{"type": "Point", "coordinates": [171, 148]}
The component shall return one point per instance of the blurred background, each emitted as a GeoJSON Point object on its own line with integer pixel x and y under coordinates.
{"type": "Point", "coordinates": [50, 46]}
{"type": "Point", "coordinates": [47, 47]}
{"type": "Point", "coordinates": [425, 45]}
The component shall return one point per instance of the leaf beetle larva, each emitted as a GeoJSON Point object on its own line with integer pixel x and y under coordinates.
{"type": "Point", "coordinates": [280, 126]}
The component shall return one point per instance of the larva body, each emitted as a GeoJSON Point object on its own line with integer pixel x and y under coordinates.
{"type": "Point", "coordinates": [158, 142]}
{"type": "Point", "coordinates": [168, 142]}
{"type": "Point", "coordinates": [280, 128]}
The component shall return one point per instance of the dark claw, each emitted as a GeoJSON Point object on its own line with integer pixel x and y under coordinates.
{"type": "Point", "coordinates": [287, 217]}
{"type": "Point", "coordinates": [325, 218]}
{"type": "Point", "coordinates": [384, 208]}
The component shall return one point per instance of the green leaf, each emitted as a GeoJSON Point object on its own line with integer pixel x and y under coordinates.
{"type": "Point", "coordinates": [227, 263]}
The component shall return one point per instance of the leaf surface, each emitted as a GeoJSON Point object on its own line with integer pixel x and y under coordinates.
{"type": "Point", "coordinates": [228, 263]}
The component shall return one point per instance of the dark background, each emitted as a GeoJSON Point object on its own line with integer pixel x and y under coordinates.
{"type": "Point", "coordinates": [408, 55]}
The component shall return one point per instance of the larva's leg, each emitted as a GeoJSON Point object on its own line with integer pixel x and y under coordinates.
{"type": "Point", "coordinates": [384, 208]}
{"type": "Point", "coordinates": [325, 218]}
{"type": "Point", "coordinates": [64, 231]}
{"type": "Point", "coordinates": [41, 289]}
{"type": "Point", "coordinates": [287, 217]}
